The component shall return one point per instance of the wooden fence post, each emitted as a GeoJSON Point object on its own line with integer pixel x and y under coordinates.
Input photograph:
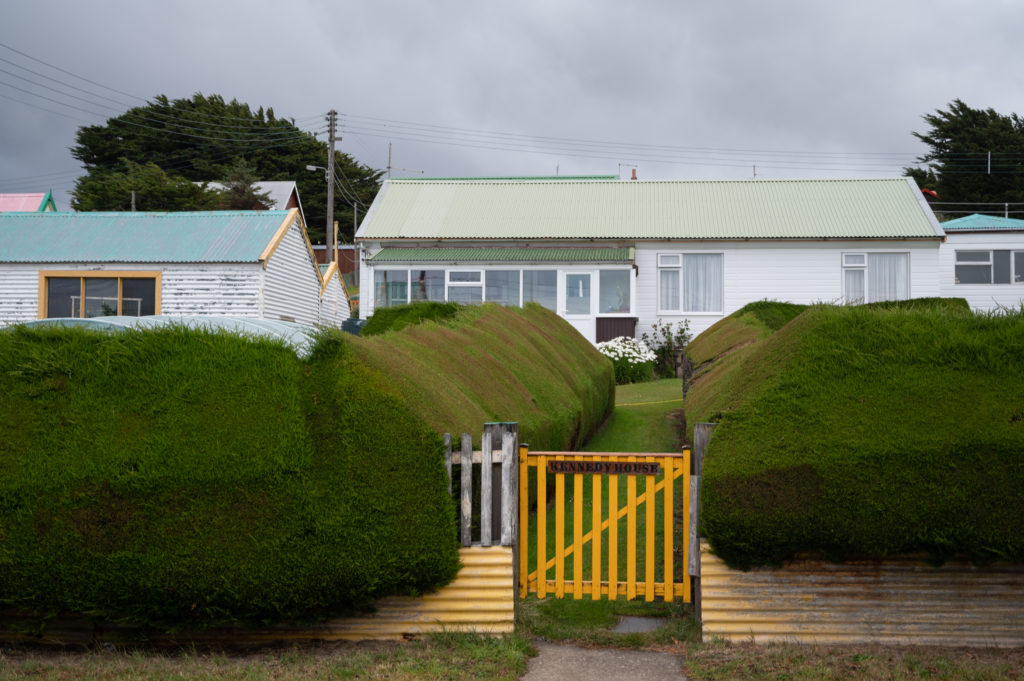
{"type": "Point", "coordinates": [486, 488]}
{"type": "Point", "coordinates": [448, 459]}
{"type": "Point", "coordinates": [701, 436]}
{"type": "Point", "coordinates": [497, 431]}
{"type": "Point", "coordinates": [467, 489]}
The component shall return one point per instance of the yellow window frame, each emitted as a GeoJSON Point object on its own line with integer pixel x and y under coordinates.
{"type": "Point", "coordinates": [82, 275]}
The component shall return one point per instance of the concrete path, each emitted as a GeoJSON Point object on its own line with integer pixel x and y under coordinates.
{"type": "Point", "coordinates": [569, 663]}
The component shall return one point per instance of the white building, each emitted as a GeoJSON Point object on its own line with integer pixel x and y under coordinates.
{"type": "Point", "coordinates": [982, 261]}
{"type": "Point", "coordinates": [256, 264]}
{"type": "Point", "coordinates": [612, 257]}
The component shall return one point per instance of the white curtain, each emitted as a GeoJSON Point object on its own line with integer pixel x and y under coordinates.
{"type": "Point", "coordinates": [668, 289]}
{"type": "Point", "coordinates": [853, 285]}
{"type": "Point", "coordinates": [702, 282]}
{"type": "Point", "coordinates": [888, 276]}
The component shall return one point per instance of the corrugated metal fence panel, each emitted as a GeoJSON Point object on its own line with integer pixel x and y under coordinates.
{"type": "Point", "coordinates": [479, 600]}
{"type": "Point", "coordinates": [890, 602]}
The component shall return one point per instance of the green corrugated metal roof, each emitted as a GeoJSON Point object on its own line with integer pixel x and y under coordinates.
{"type": "Point", "coordinates": [214, 236]}
{"type": "Point", "coordinates": [656, 210]}
{"type": "Point", "coordinates": [620, 255]}
{"type": "Point", "coordinates": [983, 223]}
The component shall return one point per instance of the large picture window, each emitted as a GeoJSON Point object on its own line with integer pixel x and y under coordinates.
{"type": "Point", "coordinates": [872, 277]}
{"type": "Point", "coordinates": [505, 287]}
{"type": "Point", "coordinates": [99, 294]}
{"type": "Point", "coordinates": [690, 283]}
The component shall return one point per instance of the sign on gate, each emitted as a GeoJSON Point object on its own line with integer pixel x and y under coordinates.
{"type": "Point", "coordinates": [613, 533]}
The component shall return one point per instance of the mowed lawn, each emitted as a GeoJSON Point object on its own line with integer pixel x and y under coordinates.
{"type": "Point", "coordinates": [642, 422]}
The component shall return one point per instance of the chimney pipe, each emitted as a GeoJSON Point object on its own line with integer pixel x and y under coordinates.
{"type": "Point", "coordinates": [634, 174]}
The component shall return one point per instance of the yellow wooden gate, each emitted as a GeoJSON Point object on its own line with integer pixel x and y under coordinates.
{"type": "Point", "coordinates": [623, 544]}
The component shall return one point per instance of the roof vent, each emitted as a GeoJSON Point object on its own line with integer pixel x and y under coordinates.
{"type": "Point", "coordinates": [634, 174]}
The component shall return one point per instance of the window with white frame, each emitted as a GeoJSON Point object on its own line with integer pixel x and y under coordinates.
{"type": "Point", "coordinates": [989, 267]}
{"type": "Point", "coordinates": [871, 277]}
{"type": "Point", "coordinates": [614, 292]}
{"type": "Point", "coordinates": [690, 282]}
{"type": "Point", "coordinates": [465, 286]}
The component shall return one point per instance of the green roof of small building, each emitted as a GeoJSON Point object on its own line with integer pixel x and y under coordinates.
{"type": "Point", "coordinates": [489, 255]}
{"type": "Point", "coordinates": [649, 210]}
{"type": "Point", "coordinates": [209, 236]}
{"type": "Point", "coordinates": [983, 223]}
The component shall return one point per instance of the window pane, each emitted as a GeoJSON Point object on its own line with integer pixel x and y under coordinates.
{"type": "Point", "coordinates": [666, 260]}
{"type": "Point", "coordinates": [138, 297]}
{"type": "Point", "coordinates": [577, 294]}
{"type": "Point", "coordinates": [854, 259]}
{"type": "Point", "coordinates": [390, 287]}
{"type": "Point", "coordinates": [853, 286]}
{"type": "Point", "coordinates": [973, 274]}
{"type": "Point", "coordinates": [973, 256]}
{"type": "Point", "coordinates": [428, 285]}
{"type": "Point", "coordinates": [467, 295]}
{"type": "Point", "coordinates": [63, 296]}
{"type": "Point", "coordinates": [464, 276]}
{"type": "Point", "coordinates": [1000, 267]}
{"type": "Point", "coordinates": [668, 290]}
{"type": "Point", "coordinates": [1018, 267]}
{"type": "Point", "coordinates": [541, 286]}
{"type": "Point", "coordinates": [702, 283]}
{"type": "Point", "coordinates": [100, 297]}
{"type": "Point", "coordinates": [503, 287]}
{"type": "Point", "coordinates": [888, 276]}
{"type": "Point", "coordinates": [614, 296]}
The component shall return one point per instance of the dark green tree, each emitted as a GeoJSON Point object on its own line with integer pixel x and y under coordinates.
{"type": "Point", "coordinates": [239, 192]}
{"type": "Point", "coordinates": [154, 190]}
{"type": "Point", "coordinates": [200, 138]}
{"type": "Point", "coordinates": [957, 165]}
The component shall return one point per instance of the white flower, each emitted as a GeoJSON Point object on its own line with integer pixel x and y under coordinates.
{"type": "Point", "coordinates": [628, 349]}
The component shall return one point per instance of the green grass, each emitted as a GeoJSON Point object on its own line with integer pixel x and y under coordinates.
{"type": "Point", "coordinates": [870, 430]}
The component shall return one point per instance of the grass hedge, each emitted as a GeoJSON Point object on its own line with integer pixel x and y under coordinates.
{"type": "Point", "coordinates": [179, 478]}
{"type": "Point", "coordinates": [492, 363]}
{"type": "Point", "coordinates": [867, 431]}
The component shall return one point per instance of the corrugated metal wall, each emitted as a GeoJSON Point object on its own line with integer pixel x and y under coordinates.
{"type": "Point", "coordinates": [291, 288]}
{"type": "Point", "coordinates": [891, 602]}
{"type": "Point", "coordinates": [214, 289]}
{"type": "Point", "coordinates": [334, 308]}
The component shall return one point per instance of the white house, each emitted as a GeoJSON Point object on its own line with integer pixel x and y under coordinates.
{"type": "Point", "coordinates": [982, 261]}
{"type": "Point", "coordinates": [254, 264]}
{"type": "Point", "coordinates": [612, 257]}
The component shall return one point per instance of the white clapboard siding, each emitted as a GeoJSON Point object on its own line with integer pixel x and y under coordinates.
{"type": "Point", "coordinates": [19, 293]}
{"type": "Point", "coordinates": [291, 287]}
{"type": "Point", "coordinates": [980, 296]}
{"type": "Point", "coordinates": [214, 289]}
{"type": "Point", "coordinates": [334, 306]}
{"type": "Point", "coordinates": [797, 272]}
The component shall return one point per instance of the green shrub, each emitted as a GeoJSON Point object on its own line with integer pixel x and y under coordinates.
{"type": "Point", "coordinates": [667, 341]}
{"type": "Point", "coordinates": [179, 478]}
{"type": "Point", "coordinates": [632, 359]}
{"type": "Point", "coordinates": [496, 363]}
{"type": "Point", "coordinates": [386, 319]}
{"type": "Point", "coordinates": [869, 430]}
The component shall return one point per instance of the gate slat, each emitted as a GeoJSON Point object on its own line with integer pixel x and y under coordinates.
{"type": "Point", "coordinates": [669, 507]}
{"type": "Point", "coordinates": [542, 527]}
{"type": "Point", "coordinates": [631, 534]}
{"type": "Point", "coordinates": [577, 535]}
{"type": "Point", "coordinates": [595, 552]}
{"type": "Point", "coordinates": [649, 536]}
{"type": "Point", "coordinates": [559, 533]}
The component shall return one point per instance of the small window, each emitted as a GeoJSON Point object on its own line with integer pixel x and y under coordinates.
{"type": "Point", "coordinates": [460, 277]}
{"type": "Point", "coordinates": [973, 267]}
{"type": "Point", "coordinates": [854, 259]}
{"type": "Point", "coordinates": [690, 283]}
{"type": "Point", "coordinates": [390, 287]}
{"type": "Point", "coordinates": [465, 287]}
{"type": "Point", "coordinates": [100, 294]}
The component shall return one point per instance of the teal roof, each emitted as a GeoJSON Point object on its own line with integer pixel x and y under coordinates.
{"type": "Point", "coordinates": [649, 210]}
{"type": "Point", "coordinates": [212, 236]}
{"type": "Point", "coordinates": [983, 223]}
{"type": "Point", "coordinates": [297, 336]}
{"type": "Point", "coordinates": [611, 255]}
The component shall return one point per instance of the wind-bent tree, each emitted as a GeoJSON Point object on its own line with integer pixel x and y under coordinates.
{"type": "Point", "coordinates": [975, 156]}
{"type": "Point", "coordinates": [199, 140]}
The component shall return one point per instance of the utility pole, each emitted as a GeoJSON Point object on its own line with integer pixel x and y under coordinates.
{"type": "Point", "coordinates": [332, 125]}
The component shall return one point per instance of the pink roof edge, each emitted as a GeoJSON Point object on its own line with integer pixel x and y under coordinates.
{"type": "Point", "coordinates": [20, 202]}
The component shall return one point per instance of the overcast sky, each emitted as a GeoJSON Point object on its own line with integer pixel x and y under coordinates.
{"type": "Point", "coordinates": [677, 88]}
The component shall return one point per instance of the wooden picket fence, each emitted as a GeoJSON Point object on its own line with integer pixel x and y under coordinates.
{"type": "Point", "coordinates": [640, 478]}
